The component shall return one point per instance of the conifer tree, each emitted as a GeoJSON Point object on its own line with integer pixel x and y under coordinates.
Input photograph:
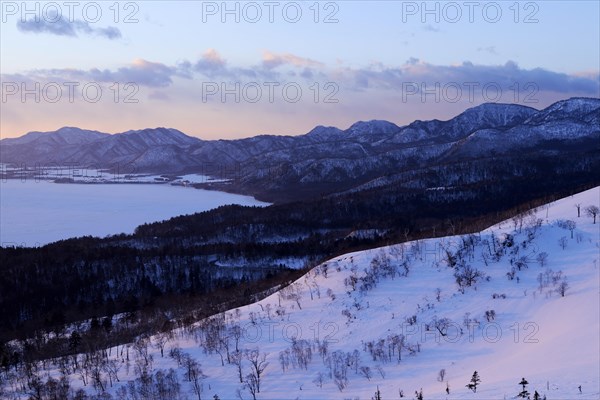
{"type": "Point", "coordinates": [474, 382]}
{"type": "Point", "coordinates": [377, 394]}
{"type": "Point", "coordinates": [524, 393]}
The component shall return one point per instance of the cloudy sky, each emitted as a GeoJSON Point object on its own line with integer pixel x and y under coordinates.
{"type": "Point", "coordinates": [238, 69]}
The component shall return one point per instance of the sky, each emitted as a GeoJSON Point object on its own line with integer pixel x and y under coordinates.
{"type": "Point", "coordinates": [238, 69]}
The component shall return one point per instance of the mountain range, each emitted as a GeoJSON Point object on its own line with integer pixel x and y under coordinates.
{"type": "Point", "coordinates": [326, 160]}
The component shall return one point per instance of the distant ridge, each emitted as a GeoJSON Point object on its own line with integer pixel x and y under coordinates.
{"type": "Point", "coordinates": [326, 158]}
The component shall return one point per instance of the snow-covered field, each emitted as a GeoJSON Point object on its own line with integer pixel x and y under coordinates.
{"type": "Point", "coordinates": [94, 175]}
{"type": "Point", "coordinates": [39, 212]}
{"type": "Point", "coordinates": [369, 306]}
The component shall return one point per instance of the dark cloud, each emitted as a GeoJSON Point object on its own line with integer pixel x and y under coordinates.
{"type": "Point", "coordinates": [140, 72]}
{"type": "Point", "coordinates": [506, 75]}
{"type": "Point", "coordinates": [375, 77]}
{"type": "Point", "coordinates": [211, 64]}
{"type": "Point", "coordinates": [307, 73]}
{"type": "Point", "coordinates": [61, 27]}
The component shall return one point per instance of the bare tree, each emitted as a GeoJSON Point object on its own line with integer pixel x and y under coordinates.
{"type": "Point", "coordinates": [338, 363]}
{"type": "Point", "coordinates": [578, 206]}
{"type": "Point", "coordinates": [301, 352]}
{"type": "Point", "coordinates": [542, 258]}
{"type": "Point", "coordinates": [84, 371]}
{"type": "Point", "coordinates": [592, 211]}
{"type": "Point", "coordinates": [319, 380]}
{"type": "Point", "coordinates": [398, 342]}
{"type": "Point", "coordinates": [466, 276]}
{"type": "Point", "coordinates": [323, 347]}
{"type": "Point", "coordinates": [160, 341]}
{"type": "Point", "coordinates": [441, 375]}
{"type": "Point", "coordinates": [112, 369]}
{"type": "Point", "coordinates": [236, 333]}
{"type": "Point", "coordinates": [366, 372]}
{"type": "Point", "coordinates": [236, 359]}
{"type": "Point", "coordinates": [194, 375]}
{"type": "Point", "coordinates": [224, 345]}
{"type": "Point", "coordinates": [570, 225]}
{"type": "Point", "coordinates": [252, 385]}
{"type": "Point", "coordinates": [141, 348]}
{"type": "Point", "coordinates": [258, 364]}
{"type": "Point", "coordinates": [562, 242]}
{"type": "Point", "coordinates": [176, 354]}
{"type": "Point", "coordinates": [522, 262]}
{"type": "Point", "coordinates": [562, 287]}
{"type": "Point", "coordinates": [397, 251]}
{"type": "Point", "coordinates": [293, 292]}
{"type": "Point", "coordinates": [442, 325]}
{"type": "Point", "coordinates": [97, 367]}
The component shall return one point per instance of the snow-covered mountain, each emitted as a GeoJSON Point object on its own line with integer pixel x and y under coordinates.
{"type": "Point", "coordinates": [328, 159]}
{"type": "Point", "coordinates": [520, 299]}
{"type": "Point", "coordinates": [64, 136]}
{"type": "Point", "coordinates": [161, 149]}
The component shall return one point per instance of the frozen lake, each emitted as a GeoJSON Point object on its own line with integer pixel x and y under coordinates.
{"type": "Point", "coordinates": [34, 213]}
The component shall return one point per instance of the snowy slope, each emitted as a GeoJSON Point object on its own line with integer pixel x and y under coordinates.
{"type": "Point", "coordinates": [550, 340]}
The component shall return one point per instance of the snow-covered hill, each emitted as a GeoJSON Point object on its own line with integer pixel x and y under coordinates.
{"type": "Point", "coordinates": [392, 319]}
{"type": "Point", "coordinates": [64, 136]}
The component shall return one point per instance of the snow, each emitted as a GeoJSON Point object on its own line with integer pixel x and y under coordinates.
{"type": "Point", "coordinates": [93, 175]}
{"type": "Point", "coordinates": [39, 212]}
{"type": "Point", "coordinates": [550, 340]}
{"type": "Point", "coordinates": [198, 178]}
